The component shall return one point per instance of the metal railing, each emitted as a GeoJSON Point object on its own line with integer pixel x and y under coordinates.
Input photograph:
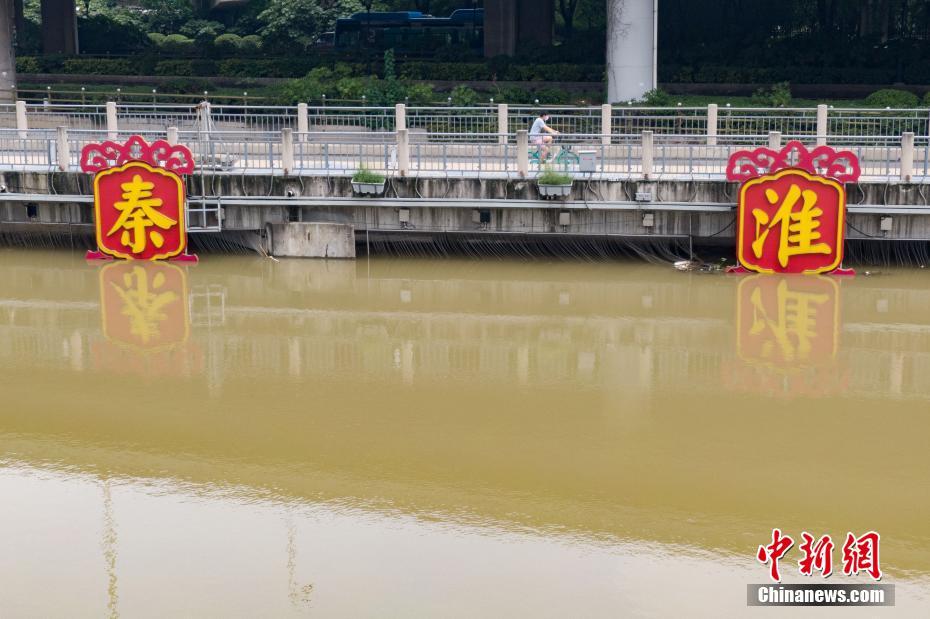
{"type": "Point", "coordinates": [409, 152]}
{"type": "Point", "coordinates": [710, 121]}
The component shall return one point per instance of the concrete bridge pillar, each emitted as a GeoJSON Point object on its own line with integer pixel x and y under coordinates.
{"type": "Point", "coordinates": [59, 27]}
{"type": "Point", "coordinates": [7, 59]}
{"type": "Point", "coordinates": [535, 22]}
{"type": "Point", "coordinates": [631, 48]}
{"type": "Point", "coordinates": [509, 24]}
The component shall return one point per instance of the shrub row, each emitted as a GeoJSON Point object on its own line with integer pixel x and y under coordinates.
{"type": "Point", "coordinates": [224, 44]}
{"type": "Point", "coordinates": [916, 73]}
{"type": "Point", "coordinates": [299, 66]}
{"type": "Point", "coordinates": [473, 71]}
{"type": "Point", "coordinates": [150, 65]}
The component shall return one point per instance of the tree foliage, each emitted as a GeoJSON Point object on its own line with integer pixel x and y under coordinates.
{"type": "Point", "coordinates": [290, 24]}
{"type": "Point", "coordinates": [799, 32]}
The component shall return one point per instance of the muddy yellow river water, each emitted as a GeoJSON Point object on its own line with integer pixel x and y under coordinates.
{"type": "Point", "coordinates": [394, 438]}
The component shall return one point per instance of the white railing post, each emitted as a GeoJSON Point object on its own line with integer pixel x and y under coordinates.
{"type": "Point", "coordinates": [64, 152]}
{"type": "Point", "coordinates": [21, 122]}
{"type": "Point", "coordinates": [400, 117]}
{"type": "Point", "coordinates": [112, 123]}
{"type": "Point", "coordinates": [303, 121]}
{"type": "Point", "coordinates": [503, 123]}
{"type": "Point", "coordinates": [712, 124]}
{"type": "Point", "coordinates": [822, 112]}
{"type": "Point", "coordinates": [173, 135]}
{"type": "Point", "coordinates": [907, 156]}
{"type": "Point", "coordinates": [774, 140]}
{"type": "Point", "coordinates": [648, 153]}
{"type": "Point", "coordinates": [403, 152]}
{"type": "Point", "coordinates": [204, 119]}
{"type": "Point", "coordinates": [287, 150]}
{"type": "Point", "coordinates": [523, 152]}
{"type": "Point", "coordinates": [607, 117]}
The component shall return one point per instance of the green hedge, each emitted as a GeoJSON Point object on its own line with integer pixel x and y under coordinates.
{"type": "Point", "coordinates": [914, 73]}
{"type": "Point", "coordinates": [93, 66]}
{"type": "Point", "coordinates": [480, 71]}
{"type": "Point", "coordinates": [151, 65]}
{"type": "Point", "coordinates": [494, 69]}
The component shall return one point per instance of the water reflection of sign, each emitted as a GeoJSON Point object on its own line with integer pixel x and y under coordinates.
{"type": "Point", "coordinates": [792, 207]}
{"type": "Point", "coordinates": [139, 197]}
{"type": "Point", "coordinates": [144, 306]}
{"type": "Point", "coordinates": [145, 310]}
{"type": "Point", "coordinates": [787, 321]}
{"type": "Point", "coordinates": [787, 336]}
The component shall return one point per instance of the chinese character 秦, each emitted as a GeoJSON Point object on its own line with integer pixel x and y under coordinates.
{"type": "Point", "coordinates": [798, 227]}
{"type": "Point", "coordinates": [143, 304]}
{"type": "Point", "coordinates": [817, 555]}
{"type": "Point", "coordinates": [775, 551]}
{"type": "Point", "coordinates": [138, 212]}
{"type": "Point", "coordinates": [862, 555]}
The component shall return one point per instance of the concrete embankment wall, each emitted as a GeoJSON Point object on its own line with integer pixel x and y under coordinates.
{"type": "Point", "coordinates": [697, 210]}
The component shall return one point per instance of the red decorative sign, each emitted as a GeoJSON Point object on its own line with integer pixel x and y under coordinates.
{"type": "Point", "coordinates": [792, 207]}
{"type": "Point", "coordinates": [139, 197]}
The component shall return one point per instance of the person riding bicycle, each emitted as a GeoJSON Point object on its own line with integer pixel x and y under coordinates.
{"type": "Point", "coordinates": [541, 135]}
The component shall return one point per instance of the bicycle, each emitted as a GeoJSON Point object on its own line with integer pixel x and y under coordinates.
{"type": "Point", "coordinates": [565, 158]}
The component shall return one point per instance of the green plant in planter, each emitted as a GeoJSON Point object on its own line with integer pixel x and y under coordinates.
{"type": "Point", "coordinates": [364, 175]}
{"type": "Point", "coordinates": [551, 177]}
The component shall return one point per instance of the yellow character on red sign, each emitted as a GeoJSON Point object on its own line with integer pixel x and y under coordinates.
{"type": "Point", "coordinates": [138, 212]}
{"type": "Point", "coordinates": [798, 228]}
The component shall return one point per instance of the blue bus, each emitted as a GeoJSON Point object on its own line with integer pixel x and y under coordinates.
{"type": "Point", "coordinates": [410, 32]}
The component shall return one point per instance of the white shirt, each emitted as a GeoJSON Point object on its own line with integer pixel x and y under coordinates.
{"type": "Point", "coordinates": [538, 125]}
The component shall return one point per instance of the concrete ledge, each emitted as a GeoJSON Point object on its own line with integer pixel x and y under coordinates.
{"type": "Point", "coordinates": [311, 240]}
